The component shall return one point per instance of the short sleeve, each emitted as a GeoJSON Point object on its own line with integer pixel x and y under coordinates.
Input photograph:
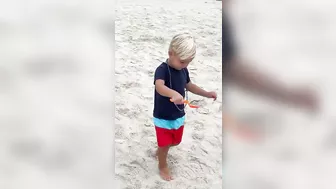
{"type": "Point", "coordinates": [187, 74]}
{"type": "Point", "coordinates": [228, 46]}
{"type": "Point", "coordinates": [160, 73]}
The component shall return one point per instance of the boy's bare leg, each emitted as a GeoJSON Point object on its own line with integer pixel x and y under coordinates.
{"type": "Point", "coordinates": [157, 154]}
{"type": "Point", "coordinates": [162, 153]}
{"type": "Point", "coordinates": [157, 151]}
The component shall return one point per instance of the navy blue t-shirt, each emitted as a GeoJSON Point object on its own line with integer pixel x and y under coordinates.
{"type": "Point", "coordinates": [228, 47]}
{"type": "Point", "coordinates": [163, 107]}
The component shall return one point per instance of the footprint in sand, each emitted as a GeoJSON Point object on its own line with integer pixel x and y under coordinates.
{"type": "Point", "coordinates": [198, 136]}
{"type": "Point", "coordinates": [198, 126]}
{"type": "Point", "coordinates": [202, 166]}
{"type": "Point", "coordinates": [151, 153]}
{"type": "Point", "coordinates": [203, 110]}
{"type": "Point", "coordinates": [119, 132]}
{"type": "Point", "coordinates": [134, 113]}
{"type": "Point", "coordinates": [150, 73]}
{"type": "Point", "coordinates": [198, 131]}
{"type": "Point", "coordinates": [128, 85]}
{"type": "Point", "coordinates": [186, 171]}
{"type": "Point", "coordinates": [209, 53]}
{"type": "Point", "coordinates": [147, 131]}
{"type": "Point", "coordinates": [173, 159]}
{"type": "Point", "coordinates": [140, 163]}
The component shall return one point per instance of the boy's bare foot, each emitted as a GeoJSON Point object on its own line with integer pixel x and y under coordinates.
{"type": "Point", "coordinates": [165, 174]}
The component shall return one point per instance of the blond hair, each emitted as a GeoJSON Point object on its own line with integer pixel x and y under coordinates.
{"type": "Point", "coordinates": [183, 45]}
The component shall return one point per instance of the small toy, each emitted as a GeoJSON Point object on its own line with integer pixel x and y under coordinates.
{"type": "Point", "coordinates": [188, 103]}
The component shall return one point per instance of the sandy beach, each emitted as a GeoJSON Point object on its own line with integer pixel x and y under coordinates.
{"type": "Point", "coordinates": [143, 33]}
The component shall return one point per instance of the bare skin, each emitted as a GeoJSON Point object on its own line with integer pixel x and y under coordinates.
{"type": "Point", "coordinates": [251, 79]}
{"type": "Point", "coordinates": [163, 166]}
{"type": "Point", "coordinates": [162, 153]}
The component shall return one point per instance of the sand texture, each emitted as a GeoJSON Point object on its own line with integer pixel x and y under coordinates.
{"type": "Point", "coordinates": [143, 32]}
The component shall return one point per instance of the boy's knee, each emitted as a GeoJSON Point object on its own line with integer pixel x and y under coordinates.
{"type": "Point", "coordinates": [164, 148]}
{"type": "Point", "coordinates": [175, 144]}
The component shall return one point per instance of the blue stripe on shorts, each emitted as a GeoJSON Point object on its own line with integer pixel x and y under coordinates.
{"type": "Point", "coordinates": [169, 124]}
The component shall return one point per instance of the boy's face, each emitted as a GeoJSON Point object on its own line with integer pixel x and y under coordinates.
{"type": "Point", "coordinates": [176, 61]}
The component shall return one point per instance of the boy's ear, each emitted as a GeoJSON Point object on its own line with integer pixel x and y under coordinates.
{"type": "Point", "coordinates": [170, 53]}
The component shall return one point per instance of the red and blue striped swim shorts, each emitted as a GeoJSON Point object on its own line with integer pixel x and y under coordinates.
{"type": "Point", "coordinates": [169, 132]}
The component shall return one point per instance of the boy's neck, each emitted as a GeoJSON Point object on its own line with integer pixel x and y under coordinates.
{"type": "Point", "coordinates": [169, 64]}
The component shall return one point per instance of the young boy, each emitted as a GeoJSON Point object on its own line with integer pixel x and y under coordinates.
{"type": "Point", "coordinates": [171, 79]}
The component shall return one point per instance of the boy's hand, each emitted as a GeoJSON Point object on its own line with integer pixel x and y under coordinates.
{"type": "Point", "coordinates": [211, 94]}
{"type": "Point", "coordinates": [305, 98]}
{"type": "Point", "coordinates": [177, 98]}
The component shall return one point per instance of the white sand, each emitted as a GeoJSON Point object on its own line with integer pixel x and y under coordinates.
{"type": "Point", "coordinates": [143, 32]}
{"type": "Point", "coordinates": [294, 40]}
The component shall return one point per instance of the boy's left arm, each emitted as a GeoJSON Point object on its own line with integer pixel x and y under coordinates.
{"type": "Point", "coordinates": [199, 91]}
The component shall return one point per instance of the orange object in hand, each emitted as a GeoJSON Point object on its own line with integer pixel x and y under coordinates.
{"type": "Point", "coordinates": [188, 103]}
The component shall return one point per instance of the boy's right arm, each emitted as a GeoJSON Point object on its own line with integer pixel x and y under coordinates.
{"type": "Point", "coordinates": [252, 79]}
{"type": "Point", "coordinates": [167, 92]}
{"type": "Point", "coordinates": [162, 89]}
